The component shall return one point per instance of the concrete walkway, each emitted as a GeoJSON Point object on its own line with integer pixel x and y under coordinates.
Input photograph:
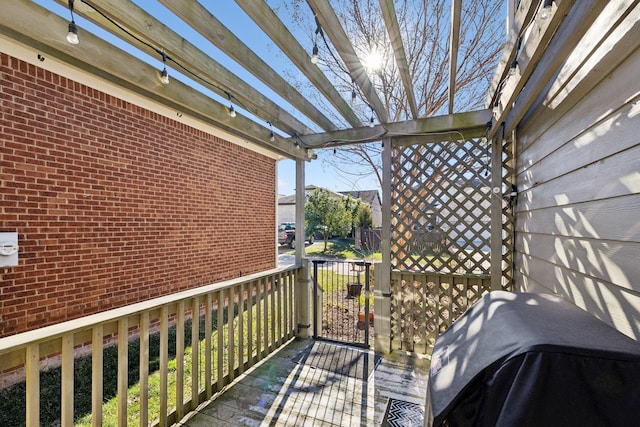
{"type": "Point", "coordinates": [315, 383]}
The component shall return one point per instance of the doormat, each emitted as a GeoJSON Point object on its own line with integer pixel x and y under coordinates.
{"type": "Point", "coordinates": [400, 413]}
{"type": "Point", "coordinates": [340, 359]}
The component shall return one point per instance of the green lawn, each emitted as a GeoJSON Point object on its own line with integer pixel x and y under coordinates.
{"type": "Point", "coordinates": [341, 248]}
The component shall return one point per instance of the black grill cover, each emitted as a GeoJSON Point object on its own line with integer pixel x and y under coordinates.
{"type": "Point", "coordinates": [518, 359]}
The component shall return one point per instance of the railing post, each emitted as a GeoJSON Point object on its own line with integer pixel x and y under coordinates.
{"type": "Point", "coordinates": [303, 301]}
{"type": "Point", "coordinates": [367, 293]}
{"type": "Point", "coordinates": [382, 271]}
{"type": "Point", "coordinates": [382, 310]}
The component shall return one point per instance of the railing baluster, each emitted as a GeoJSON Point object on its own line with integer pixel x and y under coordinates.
{"type": "Point", "coordinates": [164, 365]}
{"type": "Point", "coordinates": [32, 366]}
{"type": "Point", "coordinates": [144, 369]}
{"type": "Point", "coordinates": [241, 312]}
{"type": "Point", "coordinates": [265, 314]}
{"type": "Point", "coordinates": [180, 360]}
{"type": "Point", "coordinates": [259, 319]}
{"type": "Point", "coordinates": [96, 376]}
{"type": "Point", "coordinates": [123, 370]}
{"type": "Point", "coordinates": [285, 300]}
{"type": "Point", "coordinates": [220, 330]}
{"type": "Point", "coordinates": [250, 339]}
{"type": "Point", "coordinates": [274, 319]}
{"type": "Point", "coordinates": [208, 330]}
{"type": "Point", "coordinates": [67, 380]}
{"type": "Point", "coordinates": [230, 334]}
{"type": "Point", "coordinates": [278, 318]}
{"type": "Point", "coordinates": [195, 352]}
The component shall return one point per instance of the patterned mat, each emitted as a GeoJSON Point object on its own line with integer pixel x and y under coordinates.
{"type": "Point", "coordinates": [403, 414]}
{"type": "Point", "coordinates": [344, 360]}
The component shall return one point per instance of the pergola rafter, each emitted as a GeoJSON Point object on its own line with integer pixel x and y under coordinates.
{"type": "Point", "coordinates": [201, 20]}
{"type": "Point", "coordinates": [292, 114]}
{"type": "Point", "coordinates": [210, 72]}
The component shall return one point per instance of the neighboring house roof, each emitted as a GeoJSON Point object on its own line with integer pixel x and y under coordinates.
{"type": "Point", "coordinates": [369, 197]}
{"type": "Point", "coordinates": [291, 200]}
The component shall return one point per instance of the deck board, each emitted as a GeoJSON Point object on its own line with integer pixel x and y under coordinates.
{"type": "Point", "coordinates": [317, 384]}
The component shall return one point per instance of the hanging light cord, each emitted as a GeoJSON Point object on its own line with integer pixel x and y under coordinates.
{"type": "Point", "coordinates": [163, 54]}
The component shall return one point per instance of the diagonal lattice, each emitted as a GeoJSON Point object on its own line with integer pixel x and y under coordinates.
{"type": "Point", "coordinates": [440, 235]}
{"type": "Point", "coordinates": [440, 217]}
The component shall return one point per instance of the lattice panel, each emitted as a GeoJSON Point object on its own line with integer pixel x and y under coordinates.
{"type": "Point", "coordinates": [440, 214]}
{"type": "Point", "coordinates": [424, 305]}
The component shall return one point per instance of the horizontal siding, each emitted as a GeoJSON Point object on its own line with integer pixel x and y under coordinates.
{"type": "Point", "coordinates": [605, 260]}
{"type": "Point", "coordinates": [603, 179]}
{"type": "Point", "coordinates": [617, 219]}
{"type": "Point", "coordinates": [608, 302]}
{"type": "Point", "coordinates": [578, 177]}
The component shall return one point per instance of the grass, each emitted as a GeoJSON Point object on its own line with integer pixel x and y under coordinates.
{"type": "Point", "coordinates": [341, 248]}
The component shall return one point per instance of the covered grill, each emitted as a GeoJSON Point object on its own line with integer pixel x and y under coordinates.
{"type": "Point", "coordinates": [518, 359]}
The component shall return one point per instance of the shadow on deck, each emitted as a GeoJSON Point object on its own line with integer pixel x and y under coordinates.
{"type": "Point", "coordinates": [314, 383]}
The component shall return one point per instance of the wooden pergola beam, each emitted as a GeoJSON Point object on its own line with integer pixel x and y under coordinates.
{"type": "Point", "coordinates": [201, 20]}
{"type": "Point", "coordinates": [333, 28]}
{"type": "Point", "coordinates": [523, 15]}
{"type": "Point", "coordinates": [538, 39]}
{"type": "Point", "coordinates": [38, 28]}
{"type": "Point", "coordinates": [393, 29]}
{"type": "Point", "coordinates": [145, 27]}
{"type": "Point", "coordinates": [273, 27]}
{"type": "Point", "coordinates": [467, 124]}
{"type": "Point", "coordinates": [454, 43]}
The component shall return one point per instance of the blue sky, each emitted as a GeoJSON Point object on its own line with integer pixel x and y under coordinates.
{"type": "Point", "coordinates": [317, 172]}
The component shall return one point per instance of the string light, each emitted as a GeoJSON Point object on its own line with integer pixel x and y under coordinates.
{"type": "Point", "coordinates": [232, 111]}
{"type": "Point", "coordinates": [72, 35]}
{"type": "Point", "coordinates": [164, 74]}
{"type": "Point", "coordinates": [512, 69]}
{"type": "Point", "coordinates": [371, 121]}
{"type": "Point", "coordinates": [353, 92]}
{"type": "Point", "coordinates": [314, 52]}
{"type": "Point", "coordinates": [272, 136]}
{"type": "Point", "coordinates": [547, 8]}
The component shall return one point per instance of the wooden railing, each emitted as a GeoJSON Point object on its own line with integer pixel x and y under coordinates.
{"type": "Point", "coordinates": [423, 305]}
{"type": "Point", "coordinates": [232, 324]}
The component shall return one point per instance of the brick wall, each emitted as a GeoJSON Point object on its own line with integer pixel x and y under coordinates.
{"type": "Point", "coordinates": [115, 204]}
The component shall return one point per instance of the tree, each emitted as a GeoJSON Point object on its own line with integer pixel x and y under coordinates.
{"type": "Point", "coordinates": [425, 28]}
{"type": "Point", "coordinates": [364, 217]}
{"type": "Point", "coordinates": [327, 215]}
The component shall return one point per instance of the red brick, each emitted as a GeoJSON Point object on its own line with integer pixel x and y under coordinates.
{"type": "Point", "coordinates": [115, 203]}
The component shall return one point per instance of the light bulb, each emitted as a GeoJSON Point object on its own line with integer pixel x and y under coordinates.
{"type": "Point", "coordinates": [353, 97]}
{"type": "Point", "coordinates": [547, 8]}
{"type": "Point", "coordinates": [371, 123]}
{"type": "Point", "coordinates": [314, 56]}
{"type": "Point", "coordinates": [164, 76]}
{"type": "Point", "coordinates": [512, 69]}
{"type": "Point", "coordinates": [232, 111]}
{"type": "Point", "coordinates": [72, 35]}
{"type": "Point", "coordinates": [272, 137]}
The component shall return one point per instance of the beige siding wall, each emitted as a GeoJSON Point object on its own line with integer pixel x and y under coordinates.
{"type": "Point", "coordinates": [578, 176]}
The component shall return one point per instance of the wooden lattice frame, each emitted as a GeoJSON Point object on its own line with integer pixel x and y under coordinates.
{"type": "Point", "coordinates": [440, 216]}
{"type": "Point", "coordinates": [432, 283]}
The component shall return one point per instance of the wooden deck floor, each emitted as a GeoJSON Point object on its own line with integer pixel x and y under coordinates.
{"type": "Point", "coordinates": [314, 383]}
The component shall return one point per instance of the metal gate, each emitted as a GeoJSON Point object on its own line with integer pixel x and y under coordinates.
{"type": "Point", "coordinates": [343, 301]}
